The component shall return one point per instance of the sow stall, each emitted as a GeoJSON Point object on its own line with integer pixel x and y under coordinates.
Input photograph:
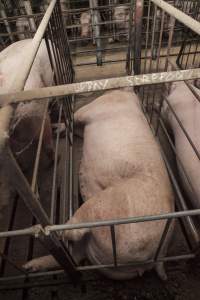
{"type": "Point", "coordinates": [36, 216]}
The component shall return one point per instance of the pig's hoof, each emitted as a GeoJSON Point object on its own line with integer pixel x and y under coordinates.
{"type": "Point", "coordinates": [161, 271]}
{"type": "Point", "coordinates": [33, 266]}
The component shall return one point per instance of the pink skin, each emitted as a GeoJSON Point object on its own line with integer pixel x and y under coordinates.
{"type": "Point", "coordinates": [187, 108]}
{"type": "Point", "coordinates": [27, 120]}
{"type": "Point", "coordinates": [85, 21]}
{"type": "Point", "coordinates": [118, 178]}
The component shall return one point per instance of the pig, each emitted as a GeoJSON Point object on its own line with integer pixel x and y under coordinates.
{"type": "Point", "coordinates": [27, 119]}
{"type": "Point", "coordinates": [187, 108]}
{"type": "Point", "coordinates": [85, 21]}
{"type": "Point", "coordinates": [23, 27]}
{"type": "Point", "coordinates": [121, 17]}
{"type": "Point", "coordinates": [122, 175]}
{"type": "Point", "coordinates": [86, 26]}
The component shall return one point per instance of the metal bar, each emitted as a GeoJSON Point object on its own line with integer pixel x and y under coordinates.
{"type": "Point", "coordinates": [34, 230]}
{"type": "Point", "coordinates": [53, 195]}
{"type": "Point", "coordinates": [112, 231]}
{"type": "Point", "coordinates": [20, 79]}
{"type": "Point", "coordinates": [138, 36]}
{"type": "Point", "coordinates": [31, 275]}
{"type": "Point", "coordinates": [179, 15]}
{"type": "Point", "coordinates": [163, 259]}
{"type": "Point", "coordinates": [97, 85]}
{"type": "Point", "coordinates": [184, 131]}
{"type": "Point", "coordinates": [181, 203]}
{"type": "Point", "coordinates": [7, 25]}
{"type": "Point", "coordinates": [39, 148]}
{"type": "Point", "coordinates": [194, 212]}
{"type": "Point", "coordinates": [163, 238]}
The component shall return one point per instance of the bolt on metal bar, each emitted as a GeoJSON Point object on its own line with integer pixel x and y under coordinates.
{"type": "Point", "coordinates": [97, 85]}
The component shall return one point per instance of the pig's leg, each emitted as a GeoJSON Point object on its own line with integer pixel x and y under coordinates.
{"type": "Point", "coordinates": [41, 264]}
{"type": "Point", "coordinates": [48, 262]}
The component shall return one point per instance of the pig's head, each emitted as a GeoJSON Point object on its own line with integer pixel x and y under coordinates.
{"type": "Point", "coordinates": [121, 15]}
{"type": "Point", "coordinates": [85, 21]}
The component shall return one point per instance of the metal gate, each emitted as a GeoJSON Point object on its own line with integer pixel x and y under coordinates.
{"type": "Point", "coordinates": [151, 66]}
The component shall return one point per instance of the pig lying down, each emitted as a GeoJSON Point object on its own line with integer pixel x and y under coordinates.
{"type": "Point", "coordinates": [27, 120]}
{"type": "Point", "coordinates": [122, 175]}
{"type": "Point", "coordinates": [187, 108]}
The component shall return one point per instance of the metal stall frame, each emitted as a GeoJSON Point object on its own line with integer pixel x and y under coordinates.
{"type": "Point", "coordinates": [8, 162]}
{"type": "Point", "coordinates": [46, 231]}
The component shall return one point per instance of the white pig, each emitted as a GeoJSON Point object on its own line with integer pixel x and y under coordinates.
{"type": "Point", "coordinates": [187, 108]}
{"type": "Point", "coordinates": [122, 175]}
{"type": "Point", "coordinates": [121, 16]}
{"type": "Point", "coordinates": [27, 120]}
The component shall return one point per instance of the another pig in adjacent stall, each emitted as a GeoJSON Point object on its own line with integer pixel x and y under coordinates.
{"type": "Point", "coordinates": [187, 108]}
{"type": "Point", "coordinates": [122, 175]}
{"type": "Point", "coordinates": [26, 123]}
{"type": "Point", "coordinates": [27, 120]}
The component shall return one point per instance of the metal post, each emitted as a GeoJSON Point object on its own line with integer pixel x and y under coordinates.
{"type": "Point", "coordinates": [28, 9]}
{"type": "Point", "coordinates": [6, 23]}
{"type": "Point", "coordinates": [96, 29]}
{"type": "Point", "coordinates": [138, 35]}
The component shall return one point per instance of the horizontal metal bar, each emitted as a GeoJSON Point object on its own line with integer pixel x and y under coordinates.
{"type": "Point", "coordinates": [149, 218]}
{"type": "Point", "coordinates": [34, 230]}
{"type": "Point", "coordinates": [20, 17]}
{"type": "Point", "coordinates": [151, 261]}
{"type": "Point", "coordinates": [98, 85]}
{"type": "Point", "coordinates": [31, 275]}
{"type": "Point", "coordinates": [179, 15]}
{"type": "Point", "coordinates": [46, 230]}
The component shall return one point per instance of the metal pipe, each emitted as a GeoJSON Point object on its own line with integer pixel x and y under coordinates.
{"type": "Point", "coordinates": [97, 85]}
{"type": "Point", "coordinates": [179, 15]}
{"type": "Point", "coordinates": [28, 9]}
{"type": "Point", "coordinates": [34, 230]}
{"type": "Point", "coordinates": [62, 227]}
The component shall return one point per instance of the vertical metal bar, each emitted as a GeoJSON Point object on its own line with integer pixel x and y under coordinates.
{"type": "Point", "coordinates": [7, 25]}
{"type": "Point", "coordinates": [96, 29]}
{"type": "Point", "coordinates": [28, 10]}
{"type": "Point", "coordinates": [112, 231]}
{"type": "Point", "coordinates": [138, 35]}
{"type": "Point", "coordinates": [51, 242]}
{"type": "Point", "coordinates": [39, 148]}
{"type": "Point", "coordinates": [130, 50]}
{"type": "Point", "coordinates": [147, 36]}
{"type": "Point", "coordinates": [53, 195]}
{"type": "Point", "coordinates": [153, 38]}
{"type": "Point", "coordinates": [163, 238]}
{"type": "Point", "coordinates": [169, 46]}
